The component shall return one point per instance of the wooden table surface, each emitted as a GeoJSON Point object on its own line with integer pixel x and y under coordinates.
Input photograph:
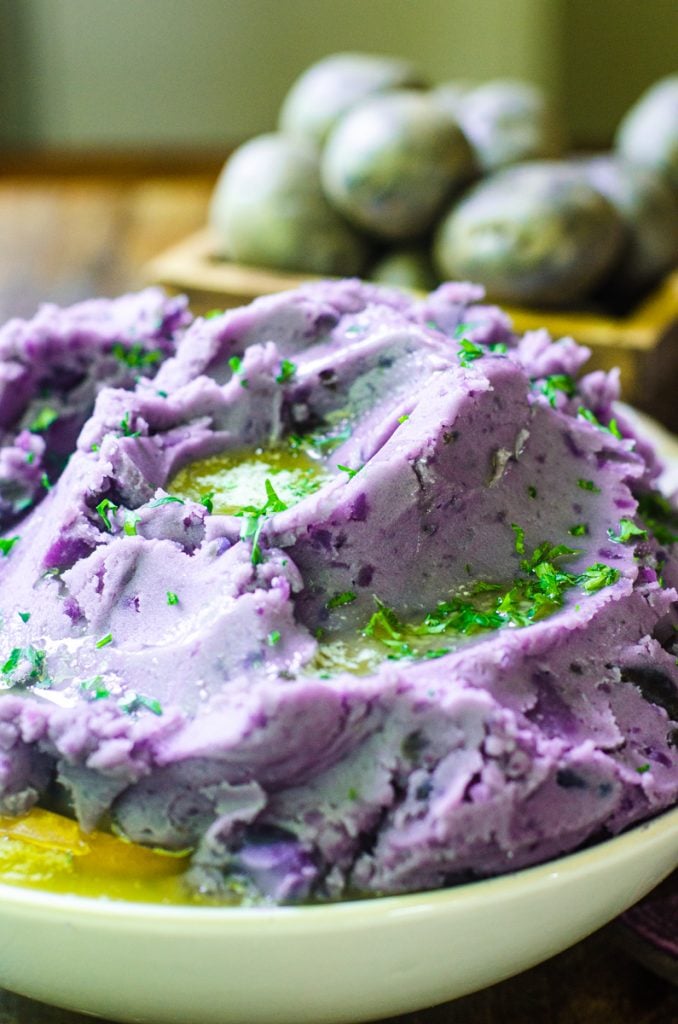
{"type": "Point", "coordinates": [67, 236]}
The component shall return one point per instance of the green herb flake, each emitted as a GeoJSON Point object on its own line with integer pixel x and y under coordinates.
{"type": "Point", "coordinates": [211, 314]}
{"type": "Point", "coordinates": [44, 419]}
{"type": "Point", "coordinates": [46, 482]}
{"type": "Point", "coordinates": [24, 616]}
{"type": "Point", "coordinates": [136, 356]}
{"type": "Point", "coordinates": [588, 485]}
{"type": "Point", "coordinates": [404, 418]}
{"type": "Point", "coordinates": [125, 427]}
{"type": "Point", "coordinates": [352, 793]}
{"type": "Point", "coordinates": [557, 382]}
{"type": "Point", "coordinates": [108, 639]}
{"type": "Point", "coordinates": [172, 597]}
{"type": "Point", "coordinates": [642, 768]}
{"type": "Point", "coordinates": [207, 501]}
{"type": "Point", "coordinates": [579, 530]}
{"type": "Point", "coordinates": [597, 576]}
{"type": "Point", "coordinates": [94, 688]}
{"type": "Point", "coordinates": [347, 597]}
{"type": "Point", "coordinates": [347, 469]}
{"type": "Point", "coordinates": [136, 701]}
{"type": "Point", "coordinates": [34, 661]}
{"type": "Point", "coordinates": [519, 538]}
{"type": "Point", "coordinates": [7, 543]}
{"type": "Point", "coordinates": [273, 638]}
{"type": "Point", "coordinates": [627, 531]}
{"type": "Point", "coordinates": [30, 458]}
{"type": "Point", "coordinates": [287, 370]}
{"type": "Point", "coordinates": [103, 508]}
{"type": "Point", "coordinates": [130, 523]}
{"type": "Point", "coordinates": [167, 499]}
{"type": "Point", "coordinates": [532, 491]}
{"type": "Point", "coordinates": [468, 351]}
{"type": "Point", "coordinates": [235, 363]}
{"type": "Point", "coordinates": [498, 348]}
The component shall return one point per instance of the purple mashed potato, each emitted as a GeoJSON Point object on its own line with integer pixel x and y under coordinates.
{"type": "Point", "coordinates": [166, 667]}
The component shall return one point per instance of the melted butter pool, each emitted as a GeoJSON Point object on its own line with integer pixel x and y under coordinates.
{"type": "Point", "coordinates": [236, 480]}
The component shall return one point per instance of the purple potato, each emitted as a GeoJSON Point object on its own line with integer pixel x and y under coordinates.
{"type": "Point", "coordinates": [537, 233]}
{"type": "Point", "coordinates": [392, 162]}
{"type": "Point", "coordinates": [268, 209]}
{"type": "Point", "coordinates": [329, 88]}
{"type": "Point", "coordinates": [648, 133]}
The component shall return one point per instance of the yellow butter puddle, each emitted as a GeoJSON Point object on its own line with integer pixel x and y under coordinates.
{"type": "Point", "coordinates": [48, 851]}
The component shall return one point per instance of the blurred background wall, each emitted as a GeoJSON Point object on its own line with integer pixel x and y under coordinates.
{"type": "Point", "coordinates": [115, 75]}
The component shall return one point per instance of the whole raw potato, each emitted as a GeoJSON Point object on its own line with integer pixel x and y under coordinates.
{"type": "Point", "coordinates": [333, 85]}
{"type": "Point", "coordinates": [508, 121]}
{"type": "Point", "coordinates": [649, 211]}
{"type": "Point", "coordinates": [391, 163]}
{"type": "Point", "coordinates": [268, 209]}
{"type": "Point", "coordinates": [537, 233]}
{"type": "Point", "coordinates": [648, 134]}
{"type": "Point", "coordinates": [405, 268]}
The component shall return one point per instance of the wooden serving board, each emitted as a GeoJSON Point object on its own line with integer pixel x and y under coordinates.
{"type": "Point", "coordinates": [644, 344]}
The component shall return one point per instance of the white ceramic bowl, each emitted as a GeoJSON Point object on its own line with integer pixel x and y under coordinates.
{"type": "Point", "coordinates": [352, 961]}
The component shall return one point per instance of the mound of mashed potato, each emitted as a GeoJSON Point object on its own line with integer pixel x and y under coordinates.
{"type": "Point", "coordinates": [346, 593]}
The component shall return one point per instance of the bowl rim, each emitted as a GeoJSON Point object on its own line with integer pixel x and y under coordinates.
{"type": "Point", "coordinates": [538, 876]}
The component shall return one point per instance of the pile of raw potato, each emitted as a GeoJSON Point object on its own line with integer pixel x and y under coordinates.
{"type": "Point", "coordinates": [372, 172]}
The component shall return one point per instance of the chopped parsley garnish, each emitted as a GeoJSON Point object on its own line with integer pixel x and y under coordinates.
{"type": "Point", "coordinates": [532, 491]}
{"type": "Point", "coordinates": [347, 597]}
{"type": "Point", "coordinates": [459, 331]}
{"type": "Point", "coordinates": [130, 523]}
{"type": "Point", "coordinates": [212, 313]}
{"type": "Point", "coordinates": [46, 482]}
{"type": "Point", "coordinates": [627, 531]}
{"type": "Point", "coordinates": [26, 666]}
{"type": "Point", "coordinates": [498, 348]}
{"type": "Point", "coordinates": [7, 543]}
{"type": "Point", "coordinates": [136, 701]}
{"type": "Point", "coordinates": [468, 351]}
{"type": "Point", "coordinates": [172, 597]}
{"type": "Point", "coordinates": [347, 469]}
{"type": "Point", "coordinates": [273, 638]}
{"type": "Point", "coordinates": [555, 382]}
{"type": "Point", "coordinates": [167, 499]}
{"type": "Point", "coordinates": [287, 370]}
{"type": "Point", "coordinates": [597, 576]}
{"type": "Point", "coordinates": [578, 530]}
{"type": "Point", "coordinates": [103, 508]}
{"type": "Point", "coordinates": [108, 639]}
{"type": "Point", "coordinates": [255, 518]}
{"type": "Point", "coordinates": [642, 768]}
{"type": "Point", "coordinates": [536, 593]}
{"type": "Point", "coordinates": [30, 458]}
{"type": "Point", "coordinates": [44, 419]}
{"type": "Point", "coordinates": [520, 538]}
{"type": "Point", "coordinates": [95, 688]}
{"type": "Point", "coordinates": [125, 427]}
{"type": "Point", "coordinates": [136, 356]}
{"type": "Point", "coordinates": [235, 362]}
{"type": "Point", "coordinates": [591, 417]}
{"type": "Point", "coordinates": [24, 616]}
{"type": "Point", "coordinates": [404, 418]}
{"type": "Point", "coordinates": [588, 485]}
{"type": "Point", "coordinates": [207, 501]}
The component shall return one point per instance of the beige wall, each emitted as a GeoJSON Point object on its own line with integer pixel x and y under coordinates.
{"type": "Point", "coordinates": [129, 73]}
